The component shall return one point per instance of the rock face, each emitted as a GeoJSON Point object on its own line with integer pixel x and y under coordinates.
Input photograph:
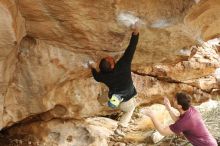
{"type": "Point", "coordinates": [45, 47]}
{"type": "Point", "coordinates": [97, 131]}
{"type": "Point", "coordinates": [12, 30]}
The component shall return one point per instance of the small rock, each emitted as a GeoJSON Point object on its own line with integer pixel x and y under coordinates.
{"type": "Point", "coordinates": [119, 144]}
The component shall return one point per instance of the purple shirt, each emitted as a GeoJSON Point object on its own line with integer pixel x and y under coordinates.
{"type": "Point", "coordinates": [194, 129]}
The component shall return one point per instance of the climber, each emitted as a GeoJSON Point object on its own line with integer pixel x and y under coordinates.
{"type": "Point", "coordinates": [189, 122]}
{"type": "Point", "coordinates": [117, 76]}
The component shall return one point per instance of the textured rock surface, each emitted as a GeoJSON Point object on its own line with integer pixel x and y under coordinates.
{"type": "Point", "coordinates": [45, 46]}
{"type": "Point", "coordinates": [12, 30]}
{"type": "Point", "coordinates": [97, 131]}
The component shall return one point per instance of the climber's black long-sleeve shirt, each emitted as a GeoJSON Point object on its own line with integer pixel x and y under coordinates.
{"type": "Point", "coordinates": [119, 80]}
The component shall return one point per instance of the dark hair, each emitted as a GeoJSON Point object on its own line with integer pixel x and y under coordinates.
{"type": "Point", "coordinates": [184, 100]}
{"type": "Point", "coordinates": [105, 66]}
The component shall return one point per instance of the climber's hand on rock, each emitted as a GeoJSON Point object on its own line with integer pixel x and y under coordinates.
{"type": "Point", "coordinates": [136, 27]}
{"type": "Point", "coordinates": [91, 64]}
